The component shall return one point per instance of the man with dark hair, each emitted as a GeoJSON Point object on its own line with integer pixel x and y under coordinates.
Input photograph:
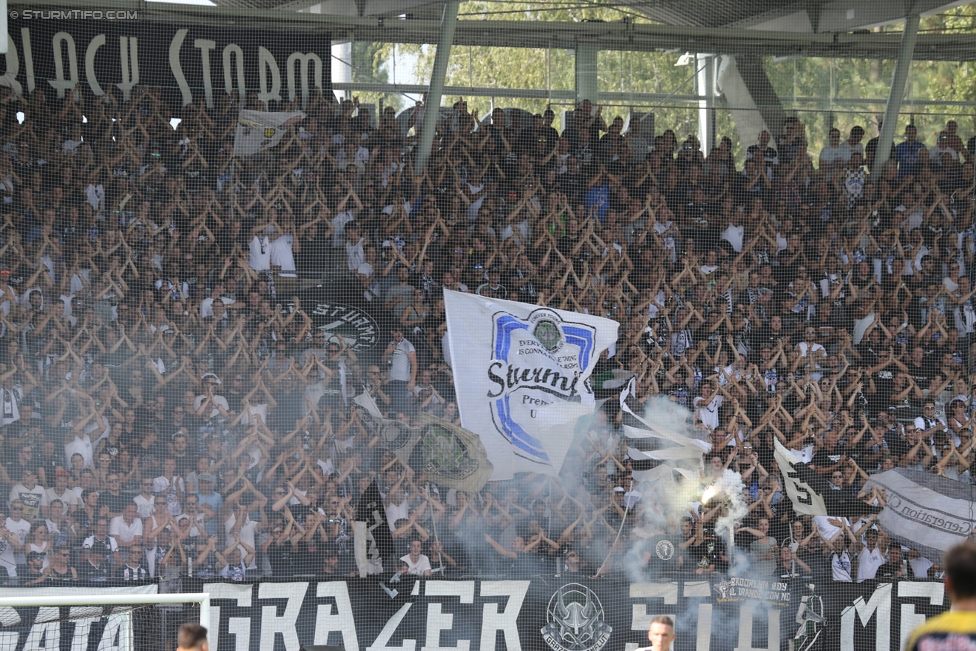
{"type": "Point", "coordinates": [660, 633]}
{"type": "Point", "coordinates": [192, 637]}
{"type": "Point", "coordinates": [955, 629]}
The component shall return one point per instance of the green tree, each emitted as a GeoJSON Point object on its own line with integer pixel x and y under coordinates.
{"type": "Point", "coordinates": [829, 79]}
{"type": "Point", "coordinates": [370, 64]}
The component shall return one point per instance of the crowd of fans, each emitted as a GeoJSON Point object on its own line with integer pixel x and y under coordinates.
{"type": "Point", "coordinates": [170, 409]}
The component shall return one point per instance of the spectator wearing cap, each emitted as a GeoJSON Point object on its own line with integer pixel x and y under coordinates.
{"type": "Point", "coordinates": [29, 492]}
{"type": "Point", "coordinates": [493, 288]}
{"type": "Point", "coordinates": [60, 491]}
{"type": "Point", "coordinates": [210, 404]}
{"type": "Point", "coordinates": [192, 479]}
{"type": "Point", "coordinates": [208, 497]}
{"type": "Point", "coordinates": [171, 486]}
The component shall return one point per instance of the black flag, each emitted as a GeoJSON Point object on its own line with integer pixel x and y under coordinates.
{"type": "Point", "coordinates": [811, 494]}
{"type": "Point", "coordinates": [372, 512]}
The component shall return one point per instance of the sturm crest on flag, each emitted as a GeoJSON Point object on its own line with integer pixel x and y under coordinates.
{"type": "Point", "coordinates": [449, 455]}
{"type": "Point", "coordinates": [522, 377]}
{"type": "Point", "coordinates": [257, 131]}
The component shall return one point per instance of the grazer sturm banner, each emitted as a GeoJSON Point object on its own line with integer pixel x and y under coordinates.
{"type": "Point", "coordinates": [522, 377]}
{"type": "Point", "coordinates": [196, 62]}
{"type": "Point", "coordinates": [543, 614]}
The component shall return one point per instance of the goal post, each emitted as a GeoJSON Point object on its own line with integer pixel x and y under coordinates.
{"type": "Point", "coordinates": [108, 599]}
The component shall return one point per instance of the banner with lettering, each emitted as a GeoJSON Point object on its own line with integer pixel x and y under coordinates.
{"type": "Point", "coordinates": [925, 511]}
{"type": "Point", "coordinates": [545, 613]}
{"type": "Point", "coordinates": [522, 377]}
{"type": "Point", "coordinates": [57, 51]}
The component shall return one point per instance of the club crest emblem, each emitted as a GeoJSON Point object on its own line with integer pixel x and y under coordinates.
{"type": "Point", "coordinates": [536, 361]}
{"type": "Point", "coordinates": [664, 550]}
{"type": "Point", "coordinates": [575, 620]}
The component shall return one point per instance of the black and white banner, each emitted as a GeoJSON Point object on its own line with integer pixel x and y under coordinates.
{"type": "Point", "coordinates": [925, 511]}
{"type": "Point", "coordinates": [56, 51]}
{"type": "Point", "coordinates": [548, 614]}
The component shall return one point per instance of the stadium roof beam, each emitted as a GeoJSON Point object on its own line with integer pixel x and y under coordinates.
{"type": "Point", "coordinates": [896, 94]}
{"type": "Point", "coordinates": [437, 76]}
{"type": "Point", "coordinates": [615, 36]}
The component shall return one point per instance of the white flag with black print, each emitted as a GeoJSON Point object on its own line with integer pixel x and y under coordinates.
{"type": "Point", "coordinates": [258, 131]}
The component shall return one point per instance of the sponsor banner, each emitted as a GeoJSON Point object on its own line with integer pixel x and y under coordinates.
{"type": "Point", "coordinates": [525, 368]}
{"type": "Point", "coordinates": [257, 131]}
{"type": "Point", "coordinates": [198, 62]}
{"type": "Point", "coordinates": [774, 592]}
{"type": "Point", "coordinates": [921, 506]}
{"type": "Point", "coordinates": [549, 613]}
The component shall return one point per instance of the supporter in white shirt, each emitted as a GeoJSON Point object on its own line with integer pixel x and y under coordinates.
{"type": "Point", "coordinates": [834, 156]}
{"type": "Point", "coordinates": [282, 254]}
{"type": "Point", "coordinates": [942, 147]}
{"type": "Point", "coordinates": [244, 534]}
{"type": "Point", "coordinates": [870, 558]}
{"type": "Point", "coordinates": [19, 527]}
{"type": "Point", "coordinates": [81, 444]}
{"type": "Point", "coordinates": [259, 252]}
{"type": "Point", "coordinates": [206, 305]}
{"type": "Point", "coordinates": [830, 527]}
{"type": "Point", "coordinates": [29, 493]}
{"type": "Point", "coordinates": [417, 564]}
{"type": "Point", "coordinates": [127, 528]}
{"type": "Point", "coordinates": [809, 346]}
{"type": "Point", "coordinates": [734, 234]}
{"type": "Point", "coordinates": [840, 562]}
{"type": "Point", "coordinates": [397, 507]}
{"type": "Point", "coordinates": [60, 491]}
{"type": "Point", "coordinates": [355, 242]}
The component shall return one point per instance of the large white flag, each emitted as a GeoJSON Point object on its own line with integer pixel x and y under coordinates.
{"type": "Point", "coordinates": [924, 511]}
{"type": "Point", "coordinates": [257, 130]}
{"type": "Point", "coordinates": [521, 377]}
